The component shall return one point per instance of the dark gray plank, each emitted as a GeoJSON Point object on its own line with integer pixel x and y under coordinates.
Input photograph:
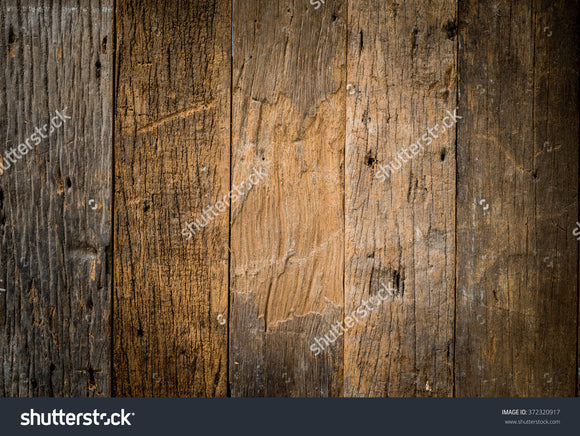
{"type": "Point", "coordinates": [55, 202]}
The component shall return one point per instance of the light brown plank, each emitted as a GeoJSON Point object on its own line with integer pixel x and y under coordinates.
{"type": "Point", "coordinates": [171, 161]}
{"type": "Point", "coordinates": [399, 228]}
{"type": "Point", "coordinates": [287, 231]}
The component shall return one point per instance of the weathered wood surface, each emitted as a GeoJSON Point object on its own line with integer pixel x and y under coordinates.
{"type": "Point", "coordinates": [55, 201]}
{"type": "Point", "coordinates": [287, 231]}
{"type": "Point", "coordinates": [517, 260]}
{"type": "Point", "coordinates": [307, 104]}
{"type": "Point", "coordinates": [171, 161]}
{"type": "Point", "coordinates": [400, 224]}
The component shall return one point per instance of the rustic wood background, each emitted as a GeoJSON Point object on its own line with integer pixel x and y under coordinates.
{"type": "Point", "coordinates": [174, 103]}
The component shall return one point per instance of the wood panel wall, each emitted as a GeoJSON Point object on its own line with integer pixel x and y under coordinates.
{"type": "Point", "coordinates": [293, 198]}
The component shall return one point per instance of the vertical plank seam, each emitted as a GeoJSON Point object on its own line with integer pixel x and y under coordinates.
{"type": "Point", "coordinates": [111, 251]}
{"type": "Point", "coordinates": [533, 16]}
{"type": "Point", "coordinates": [346, 39]}
{"type": "Point", "coordinates": [457, 90]}
{"type": "Point", "coordinates": [229, 318]}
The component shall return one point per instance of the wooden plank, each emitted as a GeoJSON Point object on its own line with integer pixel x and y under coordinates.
{"type": "Point", "coordinates": [517, 264]}
{"type": "Point", "coordinates": [287, 231]}
{"type": "Point", "coordinates": [171, 161]}
{"type": "Point", "coordinates": [400, 218]}
{"type": "Point", "coordinates": [55, 202]}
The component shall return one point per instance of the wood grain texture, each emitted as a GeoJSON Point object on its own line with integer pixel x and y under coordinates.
{"type": "Point", "coordinates": [171, 161]}
{"type": "Point", "coordinates": [254, 161]}
{"type": "Point", "coordinates": [517, 262]}
{"type": "Point", "coordinates": [287, 231]}
{"type": "Point", "coordinates": [54, 275]}
{"type": "Point", "coordinates": [400, 228]}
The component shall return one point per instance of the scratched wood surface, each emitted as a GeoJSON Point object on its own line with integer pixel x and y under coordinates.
{"type": "Point", "coordinates": [517, 264]}
{"type": "Point", "coordinates": [257, 198]}
{"type": "Point", "coordinates": [171, 161]}
{"type": "Point", "coordinates": [400, 223]}
{"type": "Point", "coordinates": [287, 231]}
{"type": "Point", "coordinates": [55, 201]}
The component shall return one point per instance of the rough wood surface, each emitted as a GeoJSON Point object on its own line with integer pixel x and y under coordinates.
{"type": "Point", "coordinates": [270, 170]}
{"type": "Point", "coordinates": [517, 262]}
{"type": "Point", "coordinates": [55, 202]}
{"type": "Point", "coordinates": [287, 231]}
{"type": "Point", "coordinates": [171, 161]}
{"type": "Point", "coordinates": [400, 228]}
